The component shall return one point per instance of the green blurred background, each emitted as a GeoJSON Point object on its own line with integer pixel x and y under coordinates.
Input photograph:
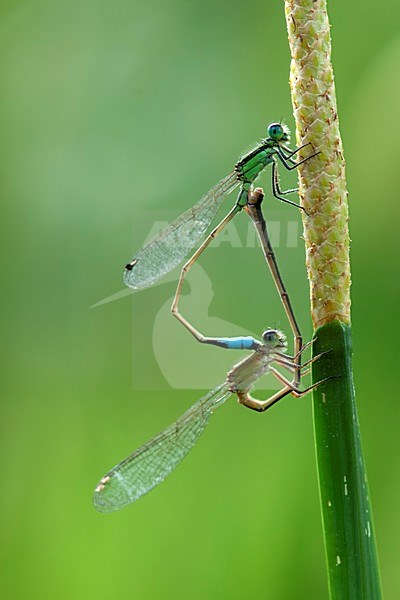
{"type": "Point", "coordinates": [112, 115]}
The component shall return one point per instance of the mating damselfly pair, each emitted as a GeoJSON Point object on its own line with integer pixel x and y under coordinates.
{"type": "Point", "coordinates": [150, 464]}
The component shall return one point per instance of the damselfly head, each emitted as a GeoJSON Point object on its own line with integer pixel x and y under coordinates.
{"type": "Point", "coordinates": [278, 132]}
{"type": "Point", "coordinates": [273, 338]}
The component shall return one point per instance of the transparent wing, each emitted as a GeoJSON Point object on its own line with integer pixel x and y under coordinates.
{"type": "Point", "coordinates": [168, 248]}
{"type": "Point", "coordinates": [149, 465]}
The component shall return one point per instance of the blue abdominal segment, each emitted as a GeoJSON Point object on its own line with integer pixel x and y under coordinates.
{"type": "Point", "coordinates": [239, 343]}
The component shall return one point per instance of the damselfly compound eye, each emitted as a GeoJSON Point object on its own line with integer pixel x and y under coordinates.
{"type": "Point", "coordinates": [276, 131]}
{"type": "Point", "coordinates": [270, 336]}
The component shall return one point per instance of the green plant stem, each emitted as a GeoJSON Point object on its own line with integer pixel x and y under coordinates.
{"type": "Point", "coordinates": [346, 511]}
